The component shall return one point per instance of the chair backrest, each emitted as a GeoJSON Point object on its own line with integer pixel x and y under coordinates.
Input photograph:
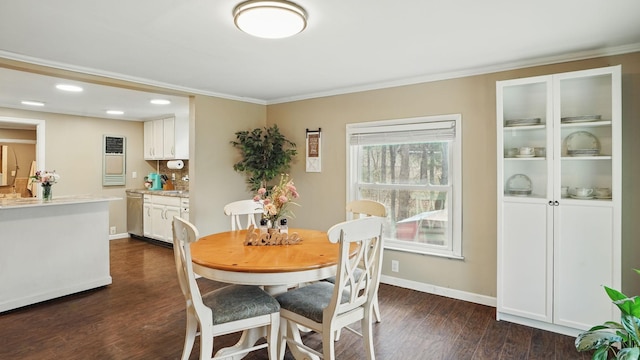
{"type": "Point", "coordinates": [360, 208]}
{"type": "Point", "coordinates": [185, 233]}
{"type": "Point", "coordinates": [361, 286]}
{"type": "Point", "coordinates": [238, 209]}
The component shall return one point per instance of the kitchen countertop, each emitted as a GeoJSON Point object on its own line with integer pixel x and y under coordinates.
{"type": "Point", "coordinates": [174, 193]}
{"type": "Point", "coordinates": [7, 203]}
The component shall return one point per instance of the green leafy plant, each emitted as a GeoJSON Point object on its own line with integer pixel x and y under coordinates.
{"type": "Point", "coordinates": [621, 340]}
{"type": "Point", "coordinates": [266, 153]}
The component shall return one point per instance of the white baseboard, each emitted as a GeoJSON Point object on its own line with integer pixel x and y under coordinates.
{"type": "Point", "coordinates": [437, 290]}
{"type": "Point", "coordinates": [118, 236]}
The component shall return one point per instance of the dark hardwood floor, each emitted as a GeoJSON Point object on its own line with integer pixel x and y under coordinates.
{"type": "Point", "coordinates": [142, 316]}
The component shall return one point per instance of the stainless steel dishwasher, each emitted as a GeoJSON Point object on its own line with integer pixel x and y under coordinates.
{"type": "Point", "coordinates": [135, 203]}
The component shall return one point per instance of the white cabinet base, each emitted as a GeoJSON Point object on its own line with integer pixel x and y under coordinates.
{"type": "Point", "coordinates": [543, 325]}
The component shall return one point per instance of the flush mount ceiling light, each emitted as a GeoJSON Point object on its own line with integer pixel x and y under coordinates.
{"type": "Point", "coordinates": [67, 87]}
{"type": "Point", "coordinates": [160, 102]}
{"type": "Point", "coordinates": [270, 19]}
{"type": "Point", "coordinates": [32, 103]}
{"type": "Point", "coordinates": [115, 112]}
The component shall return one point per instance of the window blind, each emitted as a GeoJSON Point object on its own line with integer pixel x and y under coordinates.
{"type": "Point", "coordinates": [404, 134]}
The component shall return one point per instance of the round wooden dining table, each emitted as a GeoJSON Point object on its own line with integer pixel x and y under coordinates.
{"type": "Point", "coordinates": [224, 257]}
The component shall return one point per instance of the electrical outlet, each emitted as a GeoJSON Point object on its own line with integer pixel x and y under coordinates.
{"type": "Point", "coordinates": [112, 230]}
{"type": "Point", "coordinates": [395, 265]}
{"type": "Point", "coordinates": [134, 175]}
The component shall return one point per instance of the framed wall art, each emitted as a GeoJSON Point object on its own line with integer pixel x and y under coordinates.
{"type": "Point", "coordinates": [313, 154]}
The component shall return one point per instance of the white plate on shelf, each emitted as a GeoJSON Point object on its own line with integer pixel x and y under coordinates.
{"type": "Point", "coordinates": [582, 197]}
{"type": "Point", "coordinates": [517, 194]}
{"type": "Point", "coordinates": [583, 155]}
{"type": "Point", "coordinates": [603, 197]}
{"type": "Point", "coordinates": [519, 184]}
{"type": "Point", "coordinates": [522, 122]}
{"type": "Point", "coordinates": [577, 119]}
{"type": "Point", "coordinates": [582, 143]}
{"type": "Point", "coordinates": [525, 156]}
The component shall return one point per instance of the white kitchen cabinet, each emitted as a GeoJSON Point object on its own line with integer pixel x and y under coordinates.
{"type": "Point", "coordinates": [184, 208]}
{"type": "Point", "coordinates": [146, 216]}
{"type": "Point", "coordinates": [159, 212]}
{"type": "Point", "coordinates": [555, 253]}
{"type": "Point", "coordinates": [166, 139]}
{"type": "Point", "coordinates": [153, 139]}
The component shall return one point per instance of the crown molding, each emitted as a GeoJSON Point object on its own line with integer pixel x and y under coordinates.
{"type": "Point", "coordinates": [122, 77]}
{"type": "Point", "coordinates": [574, 56]}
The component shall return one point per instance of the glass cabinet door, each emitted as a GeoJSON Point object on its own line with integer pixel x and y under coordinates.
{"type": "Point", "coordinates": [583, 116]}
{"type": "Point", "coordinates": [526, 138]}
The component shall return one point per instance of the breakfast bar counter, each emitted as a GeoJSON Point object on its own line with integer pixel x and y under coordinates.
{"type": "Point", "coordinates": [52, 248]}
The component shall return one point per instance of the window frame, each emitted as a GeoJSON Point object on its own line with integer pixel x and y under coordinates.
{"type": "Point", "coordinates": [454, 246]}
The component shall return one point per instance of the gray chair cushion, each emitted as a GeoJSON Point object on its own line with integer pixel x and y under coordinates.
{"type": "Point", "coordinates": [237, 302]}
{"type": "Point", "coordinates": [309, 301]}
{"type": "Point", "coordinates": [357, 272]}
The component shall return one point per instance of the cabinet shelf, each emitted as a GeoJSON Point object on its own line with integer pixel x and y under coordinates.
{"type": "Point", "coordinates": [586, 124]}
{"type": "Point", "coordinates": [525, 127]}
{"type": "Point", "coordinates": [533, 198]}
{"type": "Point", "coordinates": [583, 158]}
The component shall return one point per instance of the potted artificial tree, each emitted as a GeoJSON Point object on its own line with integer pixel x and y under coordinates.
{"type": "Point", "coordinates": [266, 153]}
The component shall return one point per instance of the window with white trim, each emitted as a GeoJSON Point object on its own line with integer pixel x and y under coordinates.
{"type": "Point", "coordinates": [414, 167]}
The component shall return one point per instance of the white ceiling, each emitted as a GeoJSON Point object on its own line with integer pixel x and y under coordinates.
{"type": "Point", "coordinates": [349, 45]}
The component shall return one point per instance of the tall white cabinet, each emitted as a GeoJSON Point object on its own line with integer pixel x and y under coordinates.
{"type": "Point", "coordinates": [557, 249]}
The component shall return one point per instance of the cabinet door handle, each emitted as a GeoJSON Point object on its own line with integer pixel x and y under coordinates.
{"type": "Point", "coordinates": [556, 203]}
{"type": "Point", "coordinates": [550, 203]}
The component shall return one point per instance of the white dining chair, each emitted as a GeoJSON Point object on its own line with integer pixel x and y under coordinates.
{"type": "Point", "coordinates": [238, 210]}
{"type": "Point", "coordinates": [325, 307]}
{"type": "Point", "coordinates": [223, 311]}
{"type": "Point", "coordinates": [358, 209]}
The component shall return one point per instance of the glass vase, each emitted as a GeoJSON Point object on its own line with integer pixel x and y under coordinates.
{"type": "Point", "coordinates": [47, 193]}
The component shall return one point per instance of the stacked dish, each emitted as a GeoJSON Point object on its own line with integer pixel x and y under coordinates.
{"type": "Point", "coordinates": [522, 122]}
{"type": "Point", "coordinates": [519, 185]}
{"type": "Point", "coordinates": [582, 143]}
{"type": "Point", "coordinates": [578, 119]}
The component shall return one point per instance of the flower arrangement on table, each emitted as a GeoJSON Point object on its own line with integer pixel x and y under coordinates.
{"type": "Point", "coordinates": [277, 201]}
{"type": "Point", "coordinates": [45, 179]}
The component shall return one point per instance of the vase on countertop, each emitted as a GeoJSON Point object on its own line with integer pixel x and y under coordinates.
{"type": "Point", "coordinates": [47, 193]}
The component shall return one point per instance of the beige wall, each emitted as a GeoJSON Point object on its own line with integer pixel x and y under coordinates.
{"type": "Point", "coordinates": [323, 194]}
{"type": "Point", "coordinates": [213, 182]}
{"type": "Point", "coordinates": [73, 147]}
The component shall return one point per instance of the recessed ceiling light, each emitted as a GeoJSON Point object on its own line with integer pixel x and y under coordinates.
{"type": "Point", "coordinates": [160, 102]}
{"type": "Point", "coordinates": [32, 103]}
{"type": "Point", "coordinates": [274, 19]}
{"type": "Point", "coordinates": [69, 87]}
{"type": "Point", "coordinates": [115, 112]}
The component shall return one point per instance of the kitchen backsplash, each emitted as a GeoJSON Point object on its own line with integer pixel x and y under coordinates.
{"type": "Point", "coordinates": [179, 184]}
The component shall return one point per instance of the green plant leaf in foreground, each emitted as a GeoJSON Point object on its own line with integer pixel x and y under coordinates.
{"type": "Point", "coordinates": [590, 340]}
{"type": "Point", "coordinates": [629, 354]}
